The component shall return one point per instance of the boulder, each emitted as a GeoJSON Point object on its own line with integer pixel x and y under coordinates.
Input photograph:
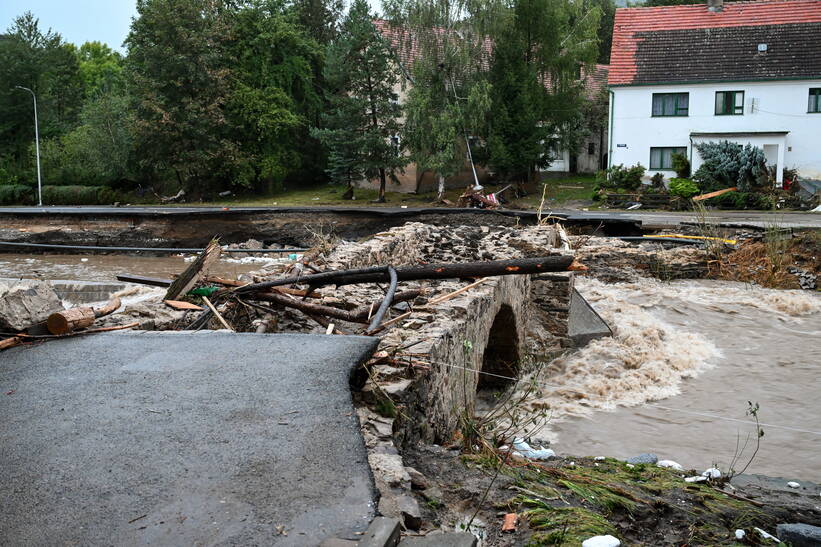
{"type": "Point", "coordinates": [799, 535]}
{"type": "Point", "coordinates": [25, 303]}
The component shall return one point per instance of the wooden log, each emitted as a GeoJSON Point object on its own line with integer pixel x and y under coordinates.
{"type": "Point", "coordinates": [714, 194]}
{"type": "Point", "coordinates": [11, 342]}
{"type": "Point", "coordinates": [359, 315]}
{"type": "Point", "coordinates": [67, 321]}
{"type": "Point", "coordinates": [196, 270]}
{"type": "Point", "coordinates": [142, 280]}
{"type": "Point", "coordinates": [519, 266]}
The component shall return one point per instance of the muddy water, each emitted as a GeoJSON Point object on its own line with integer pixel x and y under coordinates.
{"type": "Point", "coordinates": [107, 267]}
{"type": "Point", "coordinates": [702, 349]}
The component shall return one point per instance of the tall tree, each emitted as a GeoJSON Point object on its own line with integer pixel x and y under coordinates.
{"type": "Point", "coordinates": [446, 44]}
{"type": "Point", "coordinates": [100, 67]}
{"type": "Point", "coordinates": [362, 124]}
{"type": "Point", "coordinates": [539, 51]}
{"type": "Point", "coordinates": [42, 62]}
{"type": "Point", "coordinates": [320, 18]}
{"type": "Point", "coordinates": [181, 79]}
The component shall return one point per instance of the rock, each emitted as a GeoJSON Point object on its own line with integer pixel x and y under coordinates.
{"type": "Point", "coordinates": [712, 473]}
{"type": "Point", "coordinates": [670, 464]}
{"type": "Point", "coordinates": [643, 458]}
{"type": "Point", "coordinates": [389, 468]}
{"type": "Point", "coordinates": [799, 535]}
{"type": "Point", "coordinates": [793, 484]}
{"type": "Point", "coordinates": [418, 480]}
{"type": "Point", "coordinates": [382, 532]}
{"type": "Point", "coordinates": [433, 494]}
{"type": "Point", "coordinates": [601, 541]}
{"type": "Point", "coordinates": [435, 539]}
{"type": "Point", "coordinates": [739, 534]}
{"type": "Point", "coordinates": [25, 303]}
{"type": "Point", "coordinates": [409, 509]}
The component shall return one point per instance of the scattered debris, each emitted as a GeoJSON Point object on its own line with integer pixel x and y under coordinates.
{"type": "Point", "coordinates": [510, 522]}
{"type": "Point", "coordinates": [601, 541]}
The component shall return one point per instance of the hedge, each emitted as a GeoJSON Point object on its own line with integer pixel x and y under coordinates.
{"type": "Point", "coordinates": [16, 194]}
{"type": "Point", "coordinates": [78, 195]}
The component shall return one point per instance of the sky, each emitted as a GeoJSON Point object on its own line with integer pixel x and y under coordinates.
{"type": "Point", "coordinates": [78, 21]}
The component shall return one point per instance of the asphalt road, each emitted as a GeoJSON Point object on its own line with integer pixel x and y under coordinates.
{"type": "Point", "coordinates": [210, 438]}
{"type": "Point", "coordinates": [761, 219]}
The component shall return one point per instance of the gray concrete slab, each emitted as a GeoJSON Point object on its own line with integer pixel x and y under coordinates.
{"type": "Point", "coordinates": [584, 324]}
{"type": "Point", "coordinates": [212, 438]}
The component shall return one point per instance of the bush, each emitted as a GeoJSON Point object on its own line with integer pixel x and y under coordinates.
{"type": "Point", "coordinates": [683, 187]}
{"type": "Point", "coordinates": [78, 195]}
{"type": "Point", "coordinates": [16, 194]}
{"type": "Point", "coordinates": [728, 164]}
{"type": "Point", "coordinates": [742, 200]}
{"type": "Point", "coordinates": [681, 165]}
{"type": "Point", "coordinates": [619, 176]}
{"type": "Point", "coordinates": [657, 181]}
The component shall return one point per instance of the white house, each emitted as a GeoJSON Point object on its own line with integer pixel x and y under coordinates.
{"type": "Point", "coordinates": [747, 72]}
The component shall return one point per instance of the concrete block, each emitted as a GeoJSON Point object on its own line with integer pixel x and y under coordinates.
{"type": "Point", "coordinates": [450, 539]}
{"type": "Point", "coordinates": [383, 532]}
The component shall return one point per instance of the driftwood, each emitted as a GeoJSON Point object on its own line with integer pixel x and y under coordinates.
{"type": "Point", "coordinates": [214, 310]}
{"type": "Point", "coordinates": [11, 342]}
{"type": "Point", "coordinates": [188, 278]}
{"type": "Point", "coordinates": [22, 338]}
{"type": "Point", "coordinates": [555, 263]}
{"type": "Point", "coordinates": [67, 321]}
{"type": "Point", "coordinates": [358, 315]}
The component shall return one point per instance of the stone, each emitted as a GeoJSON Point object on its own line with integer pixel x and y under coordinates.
{"type": "Point", "coordinates": [410, 511]}
{"type": "Point", "coordinates": [434, 493]}
{"type": "Point", "coordinates": [418, 480]}
{"type": "Point", "coordinates": [793, 484]}
{"type": "Point", "coordinates": [643, 458]}
{"type": "Point", "coordinates": [25, 303]}
{"type": "Point", "coordinates": [670, 464]}
{"type": "Point", "coordinates": [389, 468]}
{"type": "Point", "coordinates": [448, 539]}
{"type": "Point", "coordinates": [799, 535]}
{"type": "Point", "coordinates": [601, 541]}
{"type": "Point", "coordinates": [383, 532]}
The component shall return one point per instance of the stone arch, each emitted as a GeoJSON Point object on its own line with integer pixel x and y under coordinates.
{"type": "Point", "coordinates": [501, 356]}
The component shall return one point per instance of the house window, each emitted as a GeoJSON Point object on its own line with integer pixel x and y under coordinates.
{"type": "Point", "coordinates": [729, 103]}
{"type": "Point", "coordinates": [591, 148]}
{"type": "Point", "coordinates": [671, 104]}
{"type": "Point", "coordinates": [662, 157]}
{"type": "Point", "coordinates": [814, 105]}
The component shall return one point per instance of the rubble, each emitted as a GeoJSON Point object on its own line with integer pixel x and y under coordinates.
{"type": "Point", "coordinates": [26, 303]}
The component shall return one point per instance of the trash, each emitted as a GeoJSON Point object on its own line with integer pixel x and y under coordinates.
{"type": "Point", "coordinates": [766, 535]}
{"type": "Point", "coordinates": [697, 478]}
{"type": "Point", "coordinates": [739, 534]}
{"type": "Point", "coordinates": [601, 541]}
{"type": "Point", "coordinates": [670, 464]}
{"type": "Point", "coordinates": [712, 473]}
{"type": "Point", "coordinates": [531, 453]}
{"type": "Point", "coordinates": [793, 484]}
{"type": "Point", "coordinates": [510, 522]}
{"type": "Point", "coordinates": [634, 207]}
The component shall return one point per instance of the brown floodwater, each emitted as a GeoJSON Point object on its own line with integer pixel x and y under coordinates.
{"type": "Point", "coordinates": [107, 267]}
{"type": "Point", "coordinates": [677, 377]}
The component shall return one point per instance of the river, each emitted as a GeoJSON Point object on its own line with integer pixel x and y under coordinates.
{"type": "Point", "coordinates": [686, 358]}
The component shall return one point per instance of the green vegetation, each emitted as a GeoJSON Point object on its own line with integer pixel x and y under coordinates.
{"type": "Point", "coordinates": [263, 95]}
{"type": "Point", "coordinates": [727, 164]}
{"type": "Point", "coordinates": [683, 187]}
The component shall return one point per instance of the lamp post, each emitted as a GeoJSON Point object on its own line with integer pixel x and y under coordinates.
{"type": "Point", "coordinates": [36, 145]}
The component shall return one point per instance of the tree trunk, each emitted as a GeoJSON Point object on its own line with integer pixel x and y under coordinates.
{"type": "Point", "coordinates": [67, 321]}
{"type": "Point", "coordinates": [441, 191]}
{"type": "Point", "coordinates": [382, 184]}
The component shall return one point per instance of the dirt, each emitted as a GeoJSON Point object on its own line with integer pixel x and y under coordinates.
{"type": "Point", "coordinates": [564, 501]}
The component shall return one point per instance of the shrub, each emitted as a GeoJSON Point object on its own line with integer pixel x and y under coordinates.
{"type": "Point", "coordinates": [78, 195]}
{"type": "Point", "coordinates": [683, 187]}
{"type": "Point", "coordinates": [16, 194]}
{"type": "Point", "coordinates": [657, 181]}
{"type": "Point", "coordinates": [619, 176]}
{"type": "Point", "coordinates": [681, 165]}
{"type": "Point", "coordinates": [729, 164]}
{"type": "Point", "coordinates": [742, 200]}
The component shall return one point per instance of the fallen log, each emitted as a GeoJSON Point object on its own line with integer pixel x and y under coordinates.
{"type": "Point", "coordinates": [519, 266]}
{"type": "Point", "coordinates": [197, 269]}
{"type": "Point", "coordinates": [66, 321]}
{"type": "Point", "coordinates": [359, 315]}
{"type": "Point", "coordinates": [11, 342]}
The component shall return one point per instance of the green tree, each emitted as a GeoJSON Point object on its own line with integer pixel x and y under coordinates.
{"type": "Point", "coordinates": [181, 79]}
{"type": "Point", "coordinates": [363, 118]}
{"type": "Point", "coordinates": [42, 62]}
{"type": "Point", "coordinates": [320, 18]}
{"type": "Point", "coordinates": [605, 31]}
{"type": "Point", "coordinates": [539, 52]}
{"type": "Point", "coordinates": [447, 46]}
{"type": "Point", "coordinates": [275, 99]}
{"type": "Point", "coordinates": [101, 68]}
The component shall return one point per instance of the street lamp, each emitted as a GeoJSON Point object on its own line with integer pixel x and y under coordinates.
{"type": "Point", "coordinates": [36, 145]}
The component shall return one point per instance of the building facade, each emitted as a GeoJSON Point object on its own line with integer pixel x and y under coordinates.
{"type": "Point", "coordinates": [746, 72]}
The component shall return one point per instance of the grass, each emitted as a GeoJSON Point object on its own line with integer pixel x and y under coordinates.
{"type": "Point", "coordinates": [560, 191]}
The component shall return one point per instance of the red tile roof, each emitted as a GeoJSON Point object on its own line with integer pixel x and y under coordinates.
{"type": "Point", "coordinates": [632, 26]}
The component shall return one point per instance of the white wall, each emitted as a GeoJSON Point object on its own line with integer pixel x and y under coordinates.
{"type": "Point", "coordinates": [780, 106]}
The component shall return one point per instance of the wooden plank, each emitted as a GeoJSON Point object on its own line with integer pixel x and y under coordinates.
{"type": "Point", "coordinates": [181, 305]}
{"type": "Point", "coordinates": [714, 194]}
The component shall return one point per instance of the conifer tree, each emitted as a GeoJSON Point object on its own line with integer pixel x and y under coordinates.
{"type": "Point", "coordinates": [362, 122]}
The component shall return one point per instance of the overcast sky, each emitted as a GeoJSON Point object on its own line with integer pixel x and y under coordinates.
{"type": "Point", "coordinates": [80, 21]}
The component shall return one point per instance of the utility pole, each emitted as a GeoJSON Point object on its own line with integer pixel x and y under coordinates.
{"type": "Point", "coordinates": [36, 146]}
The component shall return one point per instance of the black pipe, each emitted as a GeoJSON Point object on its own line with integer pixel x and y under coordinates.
{"type": "Point", "coordinates": [139, 249]}
{"type": "Point", "coordinates": [386, 302]}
